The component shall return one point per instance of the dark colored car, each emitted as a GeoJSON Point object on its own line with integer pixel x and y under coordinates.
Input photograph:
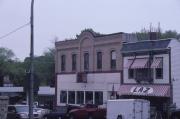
{"type": "Point", "coordinates": [88, 111]}
{"type": "Point", "coordinates": [61, 112]}
{"type": "Point", "coordinates": [20, 112]}
{"type": "Point", "coordinates": [175, 114]}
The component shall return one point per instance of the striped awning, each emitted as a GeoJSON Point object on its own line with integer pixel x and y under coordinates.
{"type": "Point", "coordinates": [145, 90]}
{"type": "Point", "coordinates": [129, 63]}
{"type": "Point", "coordinates": [157, 63]}
{"type": "Point", "coordinates": [139, 63]}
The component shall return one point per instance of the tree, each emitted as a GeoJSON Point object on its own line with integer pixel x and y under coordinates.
{"type": "Point", "coordinates": [44, 67]}
{"type": "Point", "coordinates": [11, 67]}
{"type": "Point", "coordinates": [144, 34]}
{"type": "Point", "coordinates": [170, 34]}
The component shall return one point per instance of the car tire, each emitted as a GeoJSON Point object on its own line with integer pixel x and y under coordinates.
{"type": "Point", "coordinates": [119, 117]}
{"type": "Point", "coordinates": [71, 117]}
{"type": "Point", "coordinates": [59, 117]}
{"type": "Point", "coordinates": [90, 117]}
{"type": "Point", "coordinates": [45, 117]}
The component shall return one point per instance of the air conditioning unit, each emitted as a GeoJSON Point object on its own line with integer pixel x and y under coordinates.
{"type": "Point", "coordinates": [81, 77]}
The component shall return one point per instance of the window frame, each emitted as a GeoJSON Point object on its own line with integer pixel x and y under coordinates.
{"type": "Point", "coordinates": [86, 97]}
{"type": "Point", "coordinates": [78, 101]}
{"type": "Point", "coordinates": [71, 97]}
{"type": "Point", "coordinates": [156, 70]}
{"type": "Point", "coordinates": [86, 60]}
{"type": "Point", "coordinates": [96, 101]}
{"type": "Point", "coordinates": [66, 96]}
{"type": "Point", "coordinates": [113, 60]}
{"type": "Point", "coordinates": [133, 73]}
{"type": "Point", "coordinates": [74, 62]}
{"type": "Point", "coordinates": [63, 62]}
{"type": "Point", "coordinates": [99, 60]}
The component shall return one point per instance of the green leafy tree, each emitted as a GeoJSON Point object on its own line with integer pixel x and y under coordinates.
{"type": "Point", "coordinates": [9, 66]}
{"type": "Point", "coordinates": [144, 34]}
{"type": "Point", "coordinates": [43, 67]}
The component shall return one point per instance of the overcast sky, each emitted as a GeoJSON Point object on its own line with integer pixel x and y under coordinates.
{"type": "Point", "coordinates": [66, 18]}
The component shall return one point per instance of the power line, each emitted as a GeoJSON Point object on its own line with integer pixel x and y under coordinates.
{"type": "Point", "coordinates": [13, 31]}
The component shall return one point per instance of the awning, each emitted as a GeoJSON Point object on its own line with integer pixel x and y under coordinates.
{"type": "Point", "coordinates": [129, 63]}
{"type": "Point", "coordinates": [145, 90]}
{"type": "Point", "coordinates": [157, 63]}
{"type": "Point", "coordinates": [139, 63]}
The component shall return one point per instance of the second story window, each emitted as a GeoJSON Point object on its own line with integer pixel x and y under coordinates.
{"type": "Point", "coordinates": [86, 61]}
{"type": "Point", "coordinates": [131, 73]}
{"type": "Point", "coordinates": [74, 62]}
{"type": "Point", "coordinates": [159, 73]}
{"type": "Point", "coordinates": [63, 62]}
{"type": "Point", "coordinates": [113, 59]}
{"type": "Point", "coordinates": [99, 60]}
{"type": "Point", "coordinates": [158, 67]}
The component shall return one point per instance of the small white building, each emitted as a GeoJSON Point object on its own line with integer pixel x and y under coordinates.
{"type": "Point", "coordinates": [152, 71]}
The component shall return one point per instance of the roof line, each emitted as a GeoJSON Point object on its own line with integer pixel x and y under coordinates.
{"type": "Point", "coordinates": [149, 41]}
{"type": "Point", "coordinates": [109, 34]}
{"type": "Point", "coordinates": [145, 50]}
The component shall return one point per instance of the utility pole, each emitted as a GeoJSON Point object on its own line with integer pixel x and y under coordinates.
{"type": "Point", "coordinates": [31, 80]}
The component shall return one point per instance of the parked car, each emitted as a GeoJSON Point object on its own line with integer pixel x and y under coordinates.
{"type": "Point", "coordinates": [175, 114]}
{"type": "Point", "coordinates": [88, 111]}
{"type": "Point", "coordinates": [20, 112]}
{"type": "Point", "coordinates": [41, 112]}
{"type": "Point", "coordinates": [60, 112]}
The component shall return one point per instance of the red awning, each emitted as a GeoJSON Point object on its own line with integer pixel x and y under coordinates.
{"type": "Point", "coordinates": [129, 63]}
{"type": "Point", "coordinates": [157, 63]}
{"type": "Point", "coordinates": [139, 63]}
{"type": "Point", "coordinates": [145, 90]}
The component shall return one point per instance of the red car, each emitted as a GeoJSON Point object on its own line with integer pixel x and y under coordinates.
{"type": "Point", "coordinates": [88, 111]}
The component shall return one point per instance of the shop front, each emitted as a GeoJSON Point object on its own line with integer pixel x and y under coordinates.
{"type": "Point", "coordinates": [158, 95]}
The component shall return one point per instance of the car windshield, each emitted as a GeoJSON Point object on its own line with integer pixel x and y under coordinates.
{"type": "Point", "coordinates": [37, 109]}
{"type": "Point", "coordinates": [22, 108]}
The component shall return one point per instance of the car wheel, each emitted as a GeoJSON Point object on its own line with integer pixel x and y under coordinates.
{"type": "Point", "coordinates": [90, 117]}
{"type": "Point", "coordinates": [59, 118]}
{"type": "Point", "coordinates": [119, 117]}
{"type": "Point", "coordinates": [71, 117]}
{"type": "Point", "coordinates": [45, 118]}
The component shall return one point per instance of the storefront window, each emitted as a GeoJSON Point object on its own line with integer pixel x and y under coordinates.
{"type": "Point", "coordinates": [63, 97]}
{"type": "Point", "coordinates": [71, 97]}
{"type": "Point", "coordinates": [98, 98]}
{"type": "Point", "coordinates": [89, 97]}
{"type": "Point", "coordinates": [80, 97]}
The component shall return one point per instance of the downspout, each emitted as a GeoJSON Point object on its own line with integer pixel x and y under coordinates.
{"type": "Point", "coordinates": [151, 55]}
{"type": "Point", "coordinates": [171, 85]}
{"type": "Point", "coordinates": [170, 80]}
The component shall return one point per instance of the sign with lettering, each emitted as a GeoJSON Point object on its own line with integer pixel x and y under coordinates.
{"type": "Point", "coordinates": [141, 90]}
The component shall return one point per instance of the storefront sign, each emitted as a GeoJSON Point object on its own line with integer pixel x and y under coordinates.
{"type": "Point", "coordinates": [141, 90]}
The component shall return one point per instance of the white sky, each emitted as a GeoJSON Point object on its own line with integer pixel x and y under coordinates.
{"type": "Point", "coordinates": [66, 18]}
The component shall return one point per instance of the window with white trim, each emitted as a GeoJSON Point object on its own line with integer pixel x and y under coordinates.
{"type": "Point", "coordinates": [63, 97]}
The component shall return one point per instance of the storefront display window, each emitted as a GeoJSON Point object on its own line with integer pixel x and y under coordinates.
{"type": "Point", "coordinates": [80, 97]}
{"type": "Point", "coordinates": [71, 97]}
{"type": "Point", "coordinates": [63, 97]}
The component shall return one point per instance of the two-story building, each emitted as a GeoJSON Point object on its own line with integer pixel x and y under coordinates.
{"type": "Point", "coordinates": [88, 68]}
{"type": "Point", "coordinates": [151, 70]}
